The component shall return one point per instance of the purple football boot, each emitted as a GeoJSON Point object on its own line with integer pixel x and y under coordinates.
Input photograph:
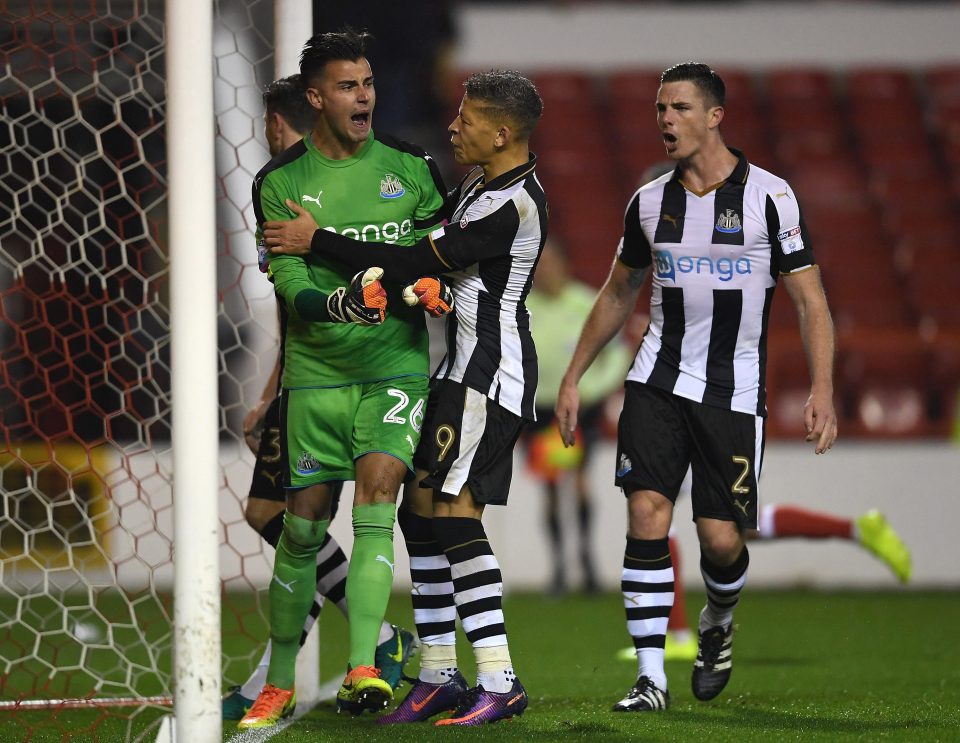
{"type": "Point", "coordinates": [426, 700]}
{"type": "Point", "coordinates": [478, 706]}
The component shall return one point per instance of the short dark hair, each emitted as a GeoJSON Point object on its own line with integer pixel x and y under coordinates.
{"type": "Point", "coordinates": [707, 81]}
{"type": "Point", "coordinates": [507, 95]}
{"type": "Point", "coordinates": [288, 98]}
{"type": "Point", "coordinates": [347, 44]}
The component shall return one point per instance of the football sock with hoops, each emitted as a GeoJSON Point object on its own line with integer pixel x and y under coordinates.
{"type": "Point", "coordinates": [647, 585]}
{"type": "Point", "coordinates": [678, 613]}
{"type": "Point", "coordinates": [723, 586]}
{"type": "Point", "coordinates": [478, 593]}
{"type": "Point", "coordinates": [434, 611]}
{"type": "Point", "coordinates": [369, 578]}
{"type": "Point", "coordinates": [292, 591]}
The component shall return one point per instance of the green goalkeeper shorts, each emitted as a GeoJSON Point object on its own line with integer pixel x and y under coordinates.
{"type": "Point", "coordinates": [327, 429]}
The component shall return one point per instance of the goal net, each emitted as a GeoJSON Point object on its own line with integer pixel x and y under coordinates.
{"type": "Point", "coordinates": [86, 568]}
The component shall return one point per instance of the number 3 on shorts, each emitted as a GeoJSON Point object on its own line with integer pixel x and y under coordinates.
{"type": "Point", "coordinates": [393, 415]}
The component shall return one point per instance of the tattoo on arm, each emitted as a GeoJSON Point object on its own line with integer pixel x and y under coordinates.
{"type": "Point", "coordinates": [636, 277]}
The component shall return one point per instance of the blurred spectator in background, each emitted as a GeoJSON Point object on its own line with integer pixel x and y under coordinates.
{"type": "Point", "coordinates": [558, 305]}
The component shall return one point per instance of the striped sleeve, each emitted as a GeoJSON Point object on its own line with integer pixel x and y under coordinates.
{"type": "Point", "coordinates": [634, 248]}
{"type": "Point", "coordinates": [789, 240]}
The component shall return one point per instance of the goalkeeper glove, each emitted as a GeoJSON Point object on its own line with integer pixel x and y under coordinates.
{"type": "Point", "coordinates": [364, 302]}
{"type": "Point", "coordinates": [433, 293]}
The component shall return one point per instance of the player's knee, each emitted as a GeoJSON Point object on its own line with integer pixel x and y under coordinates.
{"type": "Point", "coordinates": [303, 536]}
{"type": "Point", "coordinates": [649, 515]}
{"type": "Point", "coordinates": [721, 546]}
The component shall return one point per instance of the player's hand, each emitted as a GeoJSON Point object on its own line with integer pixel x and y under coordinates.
{"type": "Point", "coordinates": [820, 421]}
{"type": "Point", "coordinates": [253, 425]}
{"type": "Point", "coordinates": [364, 302]}
{"type": "Point", "coordinates": [432, 293]}
{"type": "Point", "coordinates": [291, 236]}
{"type": "Point", "coordinates": [568, 405]}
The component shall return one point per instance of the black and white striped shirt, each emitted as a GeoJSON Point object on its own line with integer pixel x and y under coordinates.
{"type": "Point", "coordinates": [489, 248]}
{"type": "Point", "coordinates": [489, 346]}
{"type": "Point", "coordinates": [716, 257]}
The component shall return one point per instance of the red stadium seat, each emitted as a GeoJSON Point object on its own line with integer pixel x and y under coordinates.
{"type": "Point", "coordinates": [938, 251]}
{"type": "Point", "coordinates": [933, 295]}
{"type": "Point", "coordinates": [944, 378]}
{"type": "Point", "coordinates": [860, 301]}
{"type": "Point", "coordinates": [564, 88]}
{"type": "Point", "coordinates": [813, 148]}
{"type": "Point", "coordinates": [633, 85]}
{"type": "Point", "coordinates": [741, 88]}
{"type": "Point", "coordinates": [787, 379]}
{"type": "Point", "coordinates": [831, 185]}
{"type": "Point", "coordinates": [894, 86]}
{"type": "Point", "coordinates": [783, 315]}
{"type": "Point", "coordinates": [892, 188]}
{"type": "Point", "coordinates": [800, 85]}
{"type": "Point", "coordinates": [881, 119]}
{"type": "Point", "coordinates": [788, 118]}
{"type": "Point", "coordinates": [883, 380]}
{"type": "Point", "coordinates": [943, 84]}
{"type": "Point", "coordinates": [571, 130]}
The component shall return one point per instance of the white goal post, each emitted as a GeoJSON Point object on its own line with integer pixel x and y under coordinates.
{"type": "Point", "coordinates": [193, 341]}
{"type": "Point", "coordinates": [135, 331]}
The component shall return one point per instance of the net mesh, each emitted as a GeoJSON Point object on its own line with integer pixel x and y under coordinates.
{"type": "Point", "coordinates": [86, 531]}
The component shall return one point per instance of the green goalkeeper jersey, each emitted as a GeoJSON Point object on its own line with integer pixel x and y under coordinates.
{"type": "Point", "coordinates": [389, 191]}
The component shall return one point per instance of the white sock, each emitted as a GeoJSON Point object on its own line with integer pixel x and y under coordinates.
{"type": "Point", "coordinates": [650, 664]}
{"type": "Point", "coordinates": [386, 632]}
{"type": "Point", "coordinates": [438, 663]}
{"type": "Point", "coordinates": [494, 668]}
{"type": "Point", "coordinates": [254, 685]}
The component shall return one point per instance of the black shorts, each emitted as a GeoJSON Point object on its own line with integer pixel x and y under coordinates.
{"type": "Point", "coordinates": [467, 439]}
{"type": "Point", "coordinates": [269, 469]}
{"type": "Point", "coordinates": [661, 434]}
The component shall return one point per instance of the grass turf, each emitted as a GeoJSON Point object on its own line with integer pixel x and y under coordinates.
{"type": "Point", "coordinates": [807, 665]}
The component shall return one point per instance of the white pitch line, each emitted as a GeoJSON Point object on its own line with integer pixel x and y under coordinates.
{"type": "Point", "coordinates": [261, 735]}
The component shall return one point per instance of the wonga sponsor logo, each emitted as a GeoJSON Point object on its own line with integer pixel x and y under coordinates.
{"type": "Point", "coordinates": [663, 265]}
{"type": "Point", "coordinates": [666, 267]}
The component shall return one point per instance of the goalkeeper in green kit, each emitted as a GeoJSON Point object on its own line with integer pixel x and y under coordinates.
{"type": "Point", "coordinates": [354, 380]}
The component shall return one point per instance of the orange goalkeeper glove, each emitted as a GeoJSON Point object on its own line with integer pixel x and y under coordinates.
{"type": "Point", "coordinates": [364, 302]}
{"type": "Point", "coordinates": [432, 293]}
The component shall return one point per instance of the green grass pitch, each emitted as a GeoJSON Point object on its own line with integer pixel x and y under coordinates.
{"type": "Point", "coordinates": [823, 666]}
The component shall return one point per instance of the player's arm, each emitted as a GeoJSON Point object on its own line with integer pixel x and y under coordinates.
{"type": "Point", "coordinates": [253, 420]}
{"type": "Point", "coordinates": [816, 331]}
{"type": "Point", "coordinates": [448, 248]}
{"type": "Point", "coordinates": [609, 313]}
{"type": "Point", "coordinates": [792, 256]}
{"type": "Point", "coordinates": [431, 210]}
{"type": "Point", "coordinates": [362, 302]}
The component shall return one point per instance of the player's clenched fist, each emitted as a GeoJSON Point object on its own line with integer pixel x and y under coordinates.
{"type": "Point", "coordinates": [363, 302]}
{"type": "Point", "coordinates": [432, 293]}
